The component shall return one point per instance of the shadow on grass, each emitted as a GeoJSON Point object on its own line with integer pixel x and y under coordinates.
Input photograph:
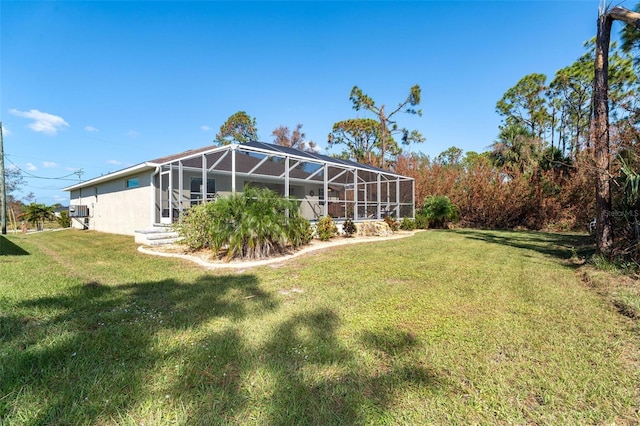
{"type": "Point", "coordinates": [101, 352]}
{"type": "Point", "coordinates": [87, 354]}
{"type": "Point", "coordinates": [560, 246]}
{"type": "Point", "coordinates": [9, 248]}
{"type": "Point", "coordinates": [315, 378]}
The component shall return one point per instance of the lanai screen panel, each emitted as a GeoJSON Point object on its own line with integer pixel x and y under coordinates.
{"type": "Point", "coordinates": [340, 183]}
{"type": "Point", "coordinates": [407, 206]}
{"type": "Point", "coordinates": [366, 195]}
{"type": "Point", "coordinates": [306, 171]}
{"type": "Point", "coordinates": [326, 185]}
{"type": "Point", "coordinates": [256, 164]}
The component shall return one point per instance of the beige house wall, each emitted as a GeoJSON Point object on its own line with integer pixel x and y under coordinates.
{"type": "Point", "coordinates": [115, 208]}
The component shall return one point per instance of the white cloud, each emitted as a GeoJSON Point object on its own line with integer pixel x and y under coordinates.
{"type": "Point", "coordinates": [90, 129]}
{"type": "Point", "coordinates": [43, 122]}
{"type": "Point", "coordinates": [205, 128]}
{"type": "Point", "coordinates": [60, 199]}
{"type": "Point", "coordinates": [132, 134]}
{"type": "Point", "coordinates": [30, 167]}
{"type": "Point", "coordinates": [49, 164]}
{"type": "Point", "coordinates": [5, 131]}
{"type": "Point", "coordinates": [114, 162]}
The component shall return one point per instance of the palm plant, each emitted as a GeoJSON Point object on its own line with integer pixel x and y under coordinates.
{"type": "Point", "coordinates": [37, 214]}
{"type": "Point", "coordinates": [254, 224]}
{"type": "Point", "coordinates": [516, 148]}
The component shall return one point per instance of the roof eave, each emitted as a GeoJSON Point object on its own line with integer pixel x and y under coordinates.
{"type": "Point", "coordinates": [110, 176]}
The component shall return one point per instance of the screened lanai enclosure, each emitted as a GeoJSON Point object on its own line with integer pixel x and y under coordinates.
{"type": "Point", "coordinates": [322, 185]}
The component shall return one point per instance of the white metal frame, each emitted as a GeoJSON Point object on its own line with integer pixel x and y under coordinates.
{"type": "Point", "coordinates": [374, 182]}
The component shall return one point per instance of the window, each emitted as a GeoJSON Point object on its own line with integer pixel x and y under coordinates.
{"type": "Point", "coordinates": [133, 182]}
{"type": "Point", "coordinates": [197, 189]}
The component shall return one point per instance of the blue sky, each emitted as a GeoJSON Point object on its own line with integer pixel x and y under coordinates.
{"type": "Point", "coordinates": [100, 86]}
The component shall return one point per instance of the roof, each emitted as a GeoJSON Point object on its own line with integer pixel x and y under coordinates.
{"type": "Point", "coordinates": [185, 154]}
{"type": "Point", "coordinates": [314, 156]}
{"type": "Point", "coordinates": [111, 176]}
{"type": "Point", "coordinates": [252, 146]}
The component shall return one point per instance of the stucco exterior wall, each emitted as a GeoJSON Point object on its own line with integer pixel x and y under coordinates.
{"type": "Point", "coordinates": [114, 208]}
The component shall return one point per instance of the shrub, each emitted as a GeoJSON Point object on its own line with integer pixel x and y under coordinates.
{"type": "Point", "coordinates": [394, 225]}
{"type": "Point", "coordinates": [254, 224]}
{"type": "Point", "coordinates": [300, 231]}
{"type": "Point", "coordinates": [487, 196]}
{"type": "Point", "coordinates": [195, 227]}
{"type": "Point", "coordinates": [407, 224]}
{"type": "Point", "coordinates": [439, 210]}
{"type": "Point", "coordinates": [349, 228]}
{"type": "Point", "coordinates": [421, 221]}
{"type": "Point", "coordinates": [326, 228]}
{"type": "Point", "coordinates": [64, 220]}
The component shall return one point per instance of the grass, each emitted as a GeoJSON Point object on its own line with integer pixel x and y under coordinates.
{"type": "Point", "coordinates": [440, 328]}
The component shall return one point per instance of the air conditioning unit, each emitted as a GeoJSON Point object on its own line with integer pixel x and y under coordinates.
{"type": "Point", "coordinates": [78, 211]}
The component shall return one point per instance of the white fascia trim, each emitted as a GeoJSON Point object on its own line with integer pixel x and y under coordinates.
{"type": "Point", "coordinates": [111, 176]}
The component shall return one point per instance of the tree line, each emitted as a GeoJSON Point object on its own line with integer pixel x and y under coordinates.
{"type": "Point", "coordinates": [541, 171]}
{"type": "Point", "coordinates": [550, 166]}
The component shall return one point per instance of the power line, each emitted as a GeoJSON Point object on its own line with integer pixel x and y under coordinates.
{"type": "Point", "coordinates": [46, 188]}
{"type": "Point", "coordinates": [77, 172]}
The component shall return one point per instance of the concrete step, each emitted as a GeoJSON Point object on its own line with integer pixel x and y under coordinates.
{"type": "Point", "coordinates": [160, 236]}
{"type": "Point", "coordinates": [163, 241]}
{"type": "Point", "coordinates": [155, 230]}
{"type": "Point", "coordinates": [156, 236]}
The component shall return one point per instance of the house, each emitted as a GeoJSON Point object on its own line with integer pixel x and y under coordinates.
{"type": "Point", "coordinates": [156, 192]}
{"type": "Point", "coordinates": [59, 210]}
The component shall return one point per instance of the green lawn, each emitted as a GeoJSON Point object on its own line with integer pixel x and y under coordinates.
{"type": "Point", "coordinates": [445, 327]}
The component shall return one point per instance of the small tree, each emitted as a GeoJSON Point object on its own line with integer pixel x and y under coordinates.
{"type": "Point", "coordinates": [439, 210]}
{"type": "Point", "coordinates": [388, 126]}
{"type": "Point", "coordinates": [363, 135]}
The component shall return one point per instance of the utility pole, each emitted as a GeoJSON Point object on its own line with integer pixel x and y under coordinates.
{"type": "Point", "coordinates": [3, 186]}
